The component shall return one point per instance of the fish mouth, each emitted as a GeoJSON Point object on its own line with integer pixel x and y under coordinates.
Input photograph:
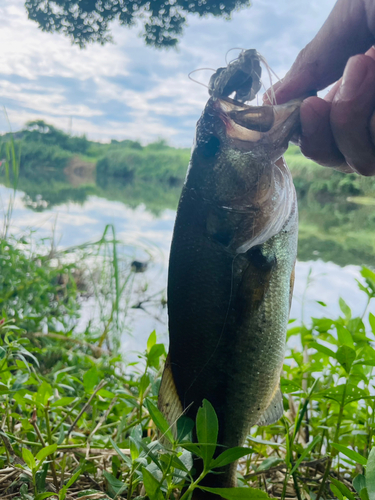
{"type": "Point", "coordinates": [270, 124]}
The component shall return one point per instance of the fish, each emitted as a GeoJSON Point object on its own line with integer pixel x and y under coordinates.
{"type": "Point", "coordinates": [231, 274]}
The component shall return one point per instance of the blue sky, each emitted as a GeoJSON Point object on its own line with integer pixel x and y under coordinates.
{"type": "Point", "coordinates": [127, 90]}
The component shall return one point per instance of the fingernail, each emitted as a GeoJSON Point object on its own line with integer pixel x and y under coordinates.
{"type": "Point", "coordinates": [354, 74]}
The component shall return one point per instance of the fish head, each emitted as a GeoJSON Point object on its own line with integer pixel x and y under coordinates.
{"type": "Point", "coordinates": [236, 146]}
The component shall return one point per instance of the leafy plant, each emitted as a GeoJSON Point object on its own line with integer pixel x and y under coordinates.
{"type": "Point", "coordinates": [77, 417]}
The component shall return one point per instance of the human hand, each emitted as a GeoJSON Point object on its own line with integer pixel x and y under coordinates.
{"type": "Point", "coordinates": [338, 130]}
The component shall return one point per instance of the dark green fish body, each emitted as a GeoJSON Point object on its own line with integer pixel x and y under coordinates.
{"type": "Point", "coordinates": [231, 275]}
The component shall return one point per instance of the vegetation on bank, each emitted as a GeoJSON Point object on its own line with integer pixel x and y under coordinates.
{"type": "Point", "coordinates": [336, 216]}
{"type": "Point", "coordinates": [43, 149]}
{"type": "Point", "coordinates": [79, 420]}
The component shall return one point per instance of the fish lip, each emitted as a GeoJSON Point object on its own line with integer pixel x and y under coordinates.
{"type": "Point", "coordinates": [276, 123]}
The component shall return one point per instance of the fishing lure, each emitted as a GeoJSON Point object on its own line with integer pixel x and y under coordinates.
{"type": "Point", "coordinates": [242, 76]}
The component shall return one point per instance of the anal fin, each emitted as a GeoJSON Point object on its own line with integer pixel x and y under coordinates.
{"type": "Point", "coordinates": [168, 401]}
{"type": "Point", "coordinates": [274, 411]}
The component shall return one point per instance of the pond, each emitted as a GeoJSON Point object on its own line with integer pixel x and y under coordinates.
{"type": "Point", "coordinates": [77, 212]}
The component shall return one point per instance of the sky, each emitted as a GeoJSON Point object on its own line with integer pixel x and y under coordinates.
{"type": "Point", "coordinates": [126, 90]}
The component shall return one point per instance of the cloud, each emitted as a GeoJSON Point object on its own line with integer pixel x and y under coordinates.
{"type": "Point", "coordinates": [128, 90]}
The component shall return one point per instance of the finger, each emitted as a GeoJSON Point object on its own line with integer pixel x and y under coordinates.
{"type": "Point", "coordinates": [332, 92]}
{"type": "Point", "coordinates": [351, 112]}
{"type": "Point", "coordinates": [316, 140]}
{"type": "Point", "coordinates": [348, 30]}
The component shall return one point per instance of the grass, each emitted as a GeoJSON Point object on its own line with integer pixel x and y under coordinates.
{"type": "Point", "coordinates": [79, 421]}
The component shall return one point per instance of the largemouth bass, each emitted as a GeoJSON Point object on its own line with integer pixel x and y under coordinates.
{"type": "Point", "coordinates": [231, 273]}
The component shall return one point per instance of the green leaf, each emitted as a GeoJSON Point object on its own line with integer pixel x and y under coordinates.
{"type": "Point", "coordinates": [125, 458]}
{"type": "Point", "coordinates": [159, 420]}
{"type": "Point", "coordinates": [143, 384]}
{"type": "Point", "coordinates": [323, 349]}
{"type": "Point", "coordinates": [345, 356]}
{"type": "Point", "coordinates": [207, 428]}
{"type": "Point", "coordinates": [263, 441]}
{"type": "Point", "coordinates": [44, 452]}
{"type": "Point", "coordinates": [229, 456]}
{"type": "Point", "coordinates": [28, 458]}
{"type": "Point", "coordinates": [153, 357]}
{"type": "Point", "coordinates": [306, 451]}
{"type": "Point", "coordinates": [237, 493]}
{"type": "Point", "coordinates": [90, 379]}
{"type": "Point", "coordinates": [115, 485]}
{"type": "Point", "coordinates": [74, 478]}
{"type": "Point", "coordinates": [363, 288]}
{"type": "Point", "coordinates": [371, 319]}
{"type": "Point", "coordinates": [359, 482]}
{"type": "Point", "coordinates": [369, 277]}
{"type": "Point", "coordinates": [288, 386]}
{"type": "Point", "coordinates": [40, 477]}
{"type": "Point", "coordinates": [363, 494]}
{"type": "Point", "coordinates": [104, 393]}
{"type": "Point", "coordinates": [344, 336]}
{"type": "Point", "coordinates": [44, 393]}
{"type": "Point", "coordinates": [336, 492]}
{"type": "Point", "coordinates": [42, 496]}
{"type": "Point", "coordinates": [134, 448]}
{"type": "Point", "coordinates": [177, 463]}
{"type": "Point", "coordinates": [193, 448]}
{"type": "Point", "coordinates": [345, 308]}
{"type": "Point", "coordinates": [268, 463]}
{"type": "Point", "coordinates": [350, 391]}
{"type": "Point", "coordinates": [151, 341]}
{"type": "Point", "coordinates": [370, 474]}
{"type": "Point", "coordinates": [150, 452]}
{"type": "Point", "coordinates": [343, 489]}
{"type": "Point", "coordinates": [151, 485]}
{"type": "Point", "coordinates": [23, 492]}
{"type": "Point", "coordinates": [62, 402]}
{"type": "Point", "coordinates": [353, 455]}
{"type": "Point", "coordinates": [184, 427]}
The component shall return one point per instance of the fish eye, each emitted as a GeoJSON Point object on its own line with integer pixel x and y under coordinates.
{"type": "Point", "coordinates": [210, 147]}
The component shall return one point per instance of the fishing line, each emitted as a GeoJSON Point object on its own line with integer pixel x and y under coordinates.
{"type": "Point", "coordinates": [234, 48]}
{"type": "Point", "coordinates": [170, 428]}
{"type": "Point", "coordinates": [270, 71]}
{"type": "Point", "coordinates": [196, 81]}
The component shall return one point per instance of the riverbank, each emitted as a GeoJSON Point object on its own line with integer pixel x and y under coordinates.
{"type": "Point", "coordinates": [43, 149]}
{"type": "Point", "coordinates": [336, 216]}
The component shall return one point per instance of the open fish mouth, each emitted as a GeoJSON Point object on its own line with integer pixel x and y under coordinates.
{"type": "Point", "coordinates": [276, 123]}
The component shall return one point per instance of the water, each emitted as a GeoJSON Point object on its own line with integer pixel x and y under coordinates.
{"type": "Point", "coordinates": [148, 236]}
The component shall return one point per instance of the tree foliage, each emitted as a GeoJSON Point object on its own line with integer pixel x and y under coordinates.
{"type": "Point", "coordinates": [87, 21]}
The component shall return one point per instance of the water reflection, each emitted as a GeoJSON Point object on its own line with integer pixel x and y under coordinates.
{"type": "Point", "coordinates": [331, 229]}
{"type": "Point", "coordinates": [146, 228]}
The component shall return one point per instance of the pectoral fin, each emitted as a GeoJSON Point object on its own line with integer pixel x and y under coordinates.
{"type": "Point", "coordinates": [169, 402]}
{"type": "Point", "coordinates": [274, 411]}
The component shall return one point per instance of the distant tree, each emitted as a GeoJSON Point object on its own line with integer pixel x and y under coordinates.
{"type": "Point", "coordinates": [40, 131]}
{"type": "Point", "coordinates": [87, 21]}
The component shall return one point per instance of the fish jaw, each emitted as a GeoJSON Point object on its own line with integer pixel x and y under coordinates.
{"type": "Point", "coordinates": [260, 127]}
